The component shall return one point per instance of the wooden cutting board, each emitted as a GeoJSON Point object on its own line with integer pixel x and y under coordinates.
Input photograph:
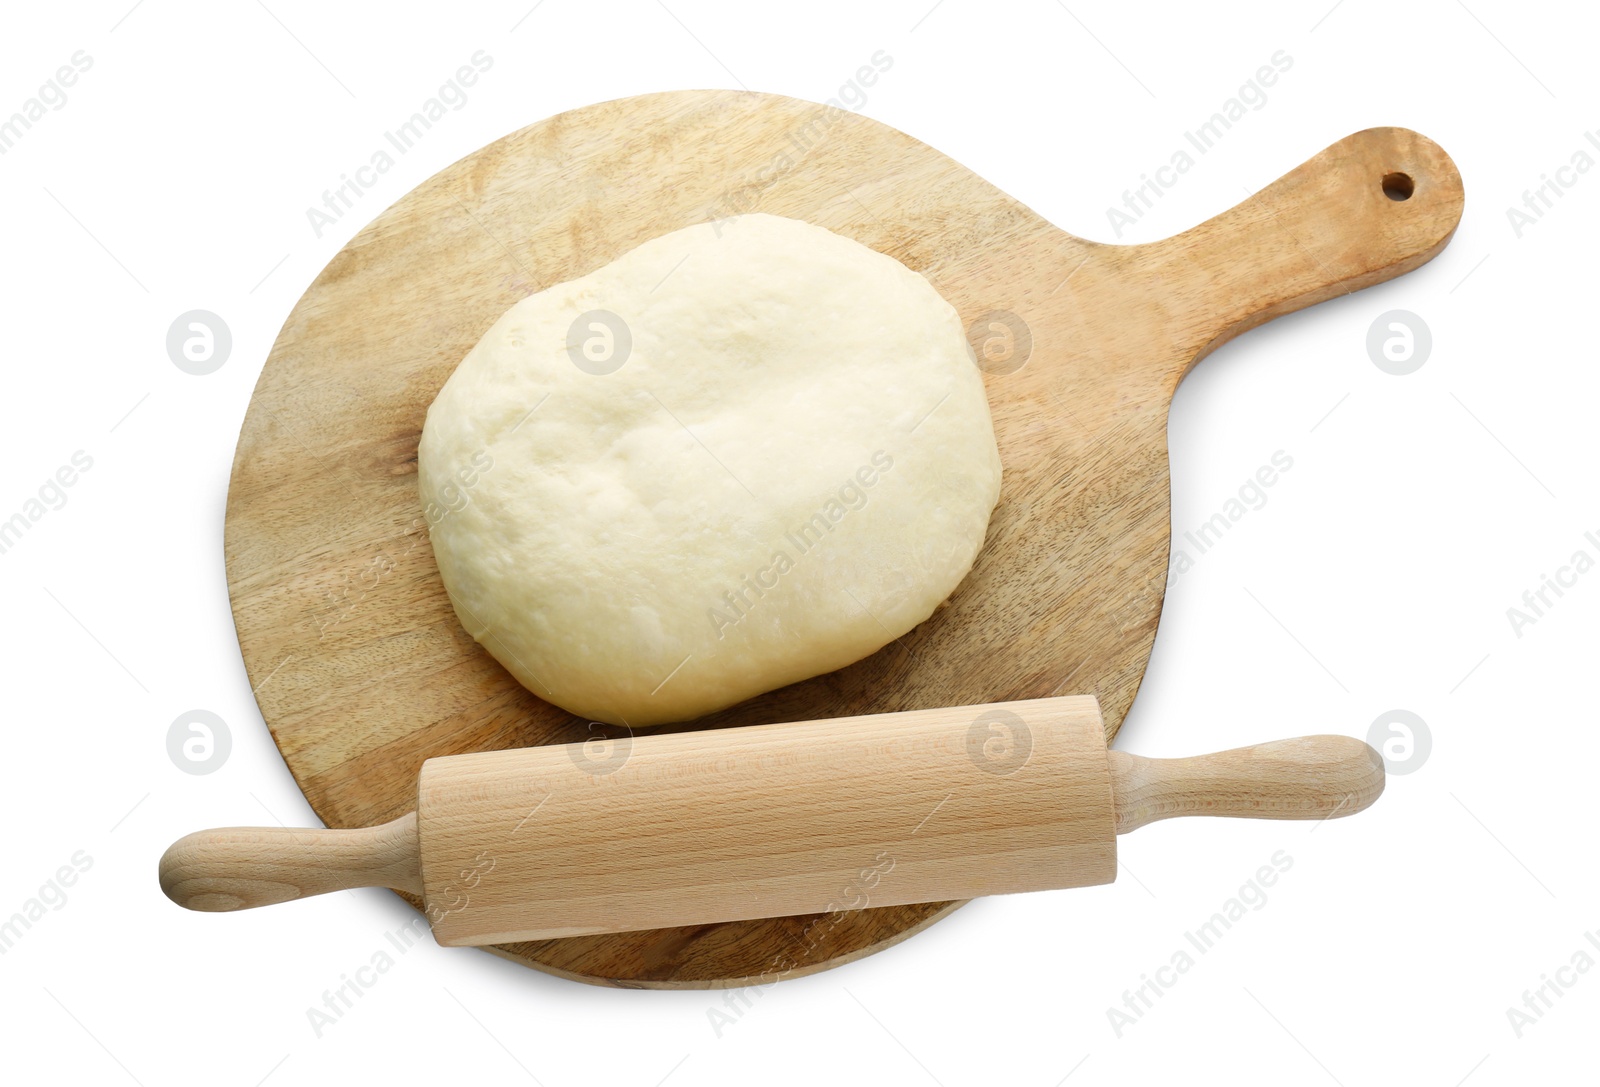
{"type": "Point", "coordinates": [359, 664]}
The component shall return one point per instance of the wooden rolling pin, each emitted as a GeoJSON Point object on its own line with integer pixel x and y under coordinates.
{"type": "Point", "coordinates": [769, 821]}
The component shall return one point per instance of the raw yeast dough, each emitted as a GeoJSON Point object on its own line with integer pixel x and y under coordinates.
{"type": "Point", "coordinates": [742, 454]}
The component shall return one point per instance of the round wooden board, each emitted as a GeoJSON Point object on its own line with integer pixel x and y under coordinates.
{"type": "Point", "coordinates": [361, 668]}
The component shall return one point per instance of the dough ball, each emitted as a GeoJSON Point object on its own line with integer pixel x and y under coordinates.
{"type": "Point", "coordinates": [742, 454]}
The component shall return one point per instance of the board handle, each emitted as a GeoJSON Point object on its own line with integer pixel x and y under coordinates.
{"type": "Point", "coordinates": [1371, 207]}
{"type": "Point", "coordinates": [239, 868]}
{"type": "Point", "coordinates": [1311, 777]}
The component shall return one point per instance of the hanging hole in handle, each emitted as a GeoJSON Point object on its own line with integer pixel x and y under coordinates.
{"type": "Point", "coordinates": [1398, 186]}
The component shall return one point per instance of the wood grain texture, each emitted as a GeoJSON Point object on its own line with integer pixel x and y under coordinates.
{"type": "Point", "coordinates": [811, 817]}
{"type": "Point", "coordinates": [360, 667]}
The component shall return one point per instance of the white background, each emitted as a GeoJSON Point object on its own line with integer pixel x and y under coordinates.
{"type": "Point", "coordinates": [1377, 576]}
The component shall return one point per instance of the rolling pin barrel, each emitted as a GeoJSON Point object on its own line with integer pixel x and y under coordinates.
{"type": "Point", "coordinates": [767, 821]}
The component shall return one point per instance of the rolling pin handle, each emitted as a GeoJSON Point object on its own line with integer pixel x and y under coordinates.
{"type": "Point", "coordinates": [240, 868]}
{"type": "Point", "coordinates": [1312, 777]}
